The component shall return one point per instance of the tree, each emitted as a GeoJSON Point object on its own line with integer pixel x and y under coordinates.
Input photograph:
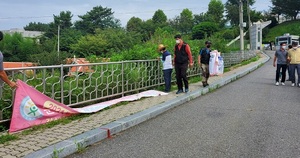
{"type": "Point", "coordinates": [215, 11]}
{"type": "Point", "coordinates": [291, 8]}
{"type": "Point", "coordinates": [159, 19]}
{"type": "Point", "coordinates": [33, 26]}
{"type": "Point", "coordinates": [118, 39]}
{"type": "Point", "coordinates": [232, 10]}
{"type": "Point", "coordinates": [134, 24]}
{"type": "Point", "coordinates": [186, 21]}
{"type": "Point", "coordinates": [69, 37]}
{"type": "Point", "coordinates": [204, 29]}
{"type": "Point", "coordinates": [17, 48]}
{"type": "Point", "coordinates": [256, 15]}
{"type": "Point", "coordinates": [98, 17]}
{"type": "Point", "coordinates": [148, 29]}
{"type": "Point", "coordinates": [63, 21]}
{"type": "Point", "coordinates": [198, 18]}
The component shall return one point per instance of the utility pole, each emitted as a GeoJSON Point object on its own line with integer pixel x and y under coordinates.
{"type": "Point", "coordinates": [249, 22]}
{"type": "Point", "coordinates": [58, 32]}
{"type": "Point", "coordinates": [241, 28]}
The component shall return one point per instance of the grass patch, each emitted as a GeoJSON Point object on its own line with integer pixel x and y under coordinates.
{"type": "Point", "coordinates": [51, 124]}
{"type": "Point", "coordinates": [246, 62]}
{"type": "Point", "coordinates": [7, 137]}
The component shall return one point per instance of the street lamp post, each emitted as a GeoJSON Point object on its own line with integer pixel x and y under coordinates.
{"type": "Point", "coordinates": [58, 32]}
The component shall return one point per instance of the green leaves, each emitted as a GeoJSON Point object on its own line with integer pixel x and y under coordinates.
{"type": "Point", "coordinates": [204, 29]}
{"type": "Point", "coordinates": [290, 8]}
{"type": "Point", "coordinates": [98, 17]}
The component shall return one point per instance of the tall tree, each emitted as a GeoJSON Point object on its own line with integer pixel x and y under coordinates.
{"type": "Point", "coordinates": [215, 11]}
{"type": "Point", "coordinates": [186, 21]}
{"type": "Point", "coordinates": [290, 8]}
{"type": "Point", "coordinates": [138, 27]}
{"type": "Point", "coordinates": [64, 19]}
{"type": "Point", "coordinates": [232, 10]}
{"type": "Point", "coordinates": [98, 17]}
{"type": "Point", "coordinates": [134, 24]}
{"type": "Point", "coordinates": [159, 18]}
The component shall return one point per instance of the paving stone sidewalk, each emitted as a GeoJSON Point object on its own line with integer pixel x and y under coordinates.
{"type": "Point", "coordinates": [38, 140]}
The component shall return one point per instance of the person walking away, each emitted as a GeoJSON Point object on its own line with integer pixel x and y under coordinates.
{"type": "Point", "coordinates": [167, 66]}
{"type": "Point", "coordinates": [294, 59]}
{"type": "Point", "coordinates": [288, 65]}
{"type": "Point", "coordinates": [203, 62]}
{"type": "Point", "coordinates": [3, 74]}
{"type": "Point", "coordinates": [281, 58]}
{"type": "Point", "coordinates": [182, 58]}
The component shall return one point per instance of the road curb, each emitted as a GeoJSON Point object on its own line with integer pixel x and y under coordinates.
{"type": "Point", "coordinates": [79, 142]}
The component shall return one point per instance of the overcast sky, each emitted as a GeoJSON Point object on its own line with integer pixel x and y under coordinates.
{"type": "Point", "coordinates": [18, 13]}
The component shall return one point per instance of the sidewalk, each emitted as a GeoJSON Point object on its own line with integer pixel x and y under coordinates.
{"type": "Point", "coordinates": [63, 140]}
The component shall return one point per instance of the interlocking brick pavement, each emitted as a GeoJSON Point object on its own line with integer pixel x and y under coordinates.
{"type": "Point", "coordinates": [41, 139]}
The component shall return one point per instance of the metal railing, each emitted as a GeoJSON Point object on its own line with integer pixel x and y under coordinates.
{"type": "Point", "coordinates": [86, 84]}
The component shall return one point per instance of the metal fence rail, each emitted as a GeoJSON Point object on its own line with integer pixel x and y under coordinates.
{"type": "Point", "coordinates": [85, 84]}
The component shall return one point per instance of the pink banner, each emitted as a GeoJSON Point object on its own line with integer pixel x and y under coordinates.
{"type": "Point", "coordinates": [32, 107]}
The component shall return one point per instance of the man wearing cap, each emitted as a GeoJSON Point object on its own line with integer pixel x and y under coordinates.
{"type": "Point", "coordinates": [203, 62]}
{"type": "Point", "coordinates": [167, 66]}
{"type": "Point", "coordinates": [3, 75]}
{"type": "Point", "coordinates": [294, 59]}
{"type": "Point", "coordinates": [182, 58]}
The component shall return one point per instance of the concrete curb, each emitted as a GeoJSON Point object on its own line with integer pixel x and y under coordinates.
{"type": "Point", "coordinates": [77, 143]}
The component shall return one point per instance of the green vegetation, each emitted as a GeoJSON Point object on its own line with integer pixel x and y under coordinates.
{"type": "Point", "coordinates": [51, 124]}
{"type": "Point", "coordinates": [56, 152]}
{"type": "Point", "coordinates": [292, 27]}
{"type": "Point", "coordinates": [7, 137]}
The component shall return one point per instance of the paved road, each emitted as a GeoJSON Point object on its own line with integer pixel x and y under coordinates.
{"type": "Point", "coordinates": [250, 117]}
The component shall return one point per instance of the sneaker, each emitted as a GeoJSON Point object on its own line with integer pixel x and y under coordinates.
{"type": "Point", "coordinates": [298, 84]}
{"type": "Point", "coordinates": [282, 83]}
{"type": "Point", "coordinates": [186, 90]}
{"type": "Point", "coordinates": [277, 83]}
{"type": "Point", "coordinates": [179, 91]}
{"type": "Point", "coordinates": [293, 84]}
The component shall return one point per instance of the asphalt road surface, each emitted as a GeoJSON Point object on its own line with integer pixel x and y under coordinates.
{"type": "Point", "coordinates": [250, 117]}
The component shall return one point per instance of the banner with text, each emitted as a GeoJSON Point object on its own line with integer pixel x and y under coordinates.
{"type": "Point", "coordinates": [32, 107]}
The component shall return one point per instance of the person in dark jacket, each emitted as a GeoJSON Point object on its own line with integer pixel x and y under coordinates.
{"type": "Point", "coordinates": [203, 62]}
{"type": "Point", "coordinates": [182, 58]}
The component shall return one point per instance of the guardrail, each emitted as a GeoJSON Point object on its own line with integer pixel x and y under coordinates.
{"type": "Point", "coordinates": [84, 84]}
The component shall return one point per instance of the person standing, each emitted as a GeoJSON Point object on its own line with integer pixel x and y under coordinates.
{"type": "Point", "coordinates": [288, 65]}
{"type": "Point", "coordinates": [3, 74]}
{"type": "Point", "coordinates": [271, 46]}
{"type": "Point", "coordinates": [167, 66]}
{"type": "Point", "coordinates": [203, 62]}
{"type": "Point", "coordinates": [182, 58]}
{"type": "Point", "coordinates": [281, 58]}
{"type": "Point", "coordinates": [294, 59]}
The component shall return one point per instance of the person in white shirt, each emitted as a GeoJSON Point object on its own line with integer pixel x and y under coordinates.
{"type": "Point", "coordinates": [167, 66]}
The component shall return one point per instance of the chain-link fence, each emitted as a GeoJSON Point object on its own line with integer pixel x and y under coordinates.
{"type": "Point", "coordinates": [84, 84]}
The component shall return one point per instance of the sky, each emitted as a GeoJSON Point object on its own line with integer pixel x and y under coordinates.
{"type": "Point", "coordinates": [19, 13]}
